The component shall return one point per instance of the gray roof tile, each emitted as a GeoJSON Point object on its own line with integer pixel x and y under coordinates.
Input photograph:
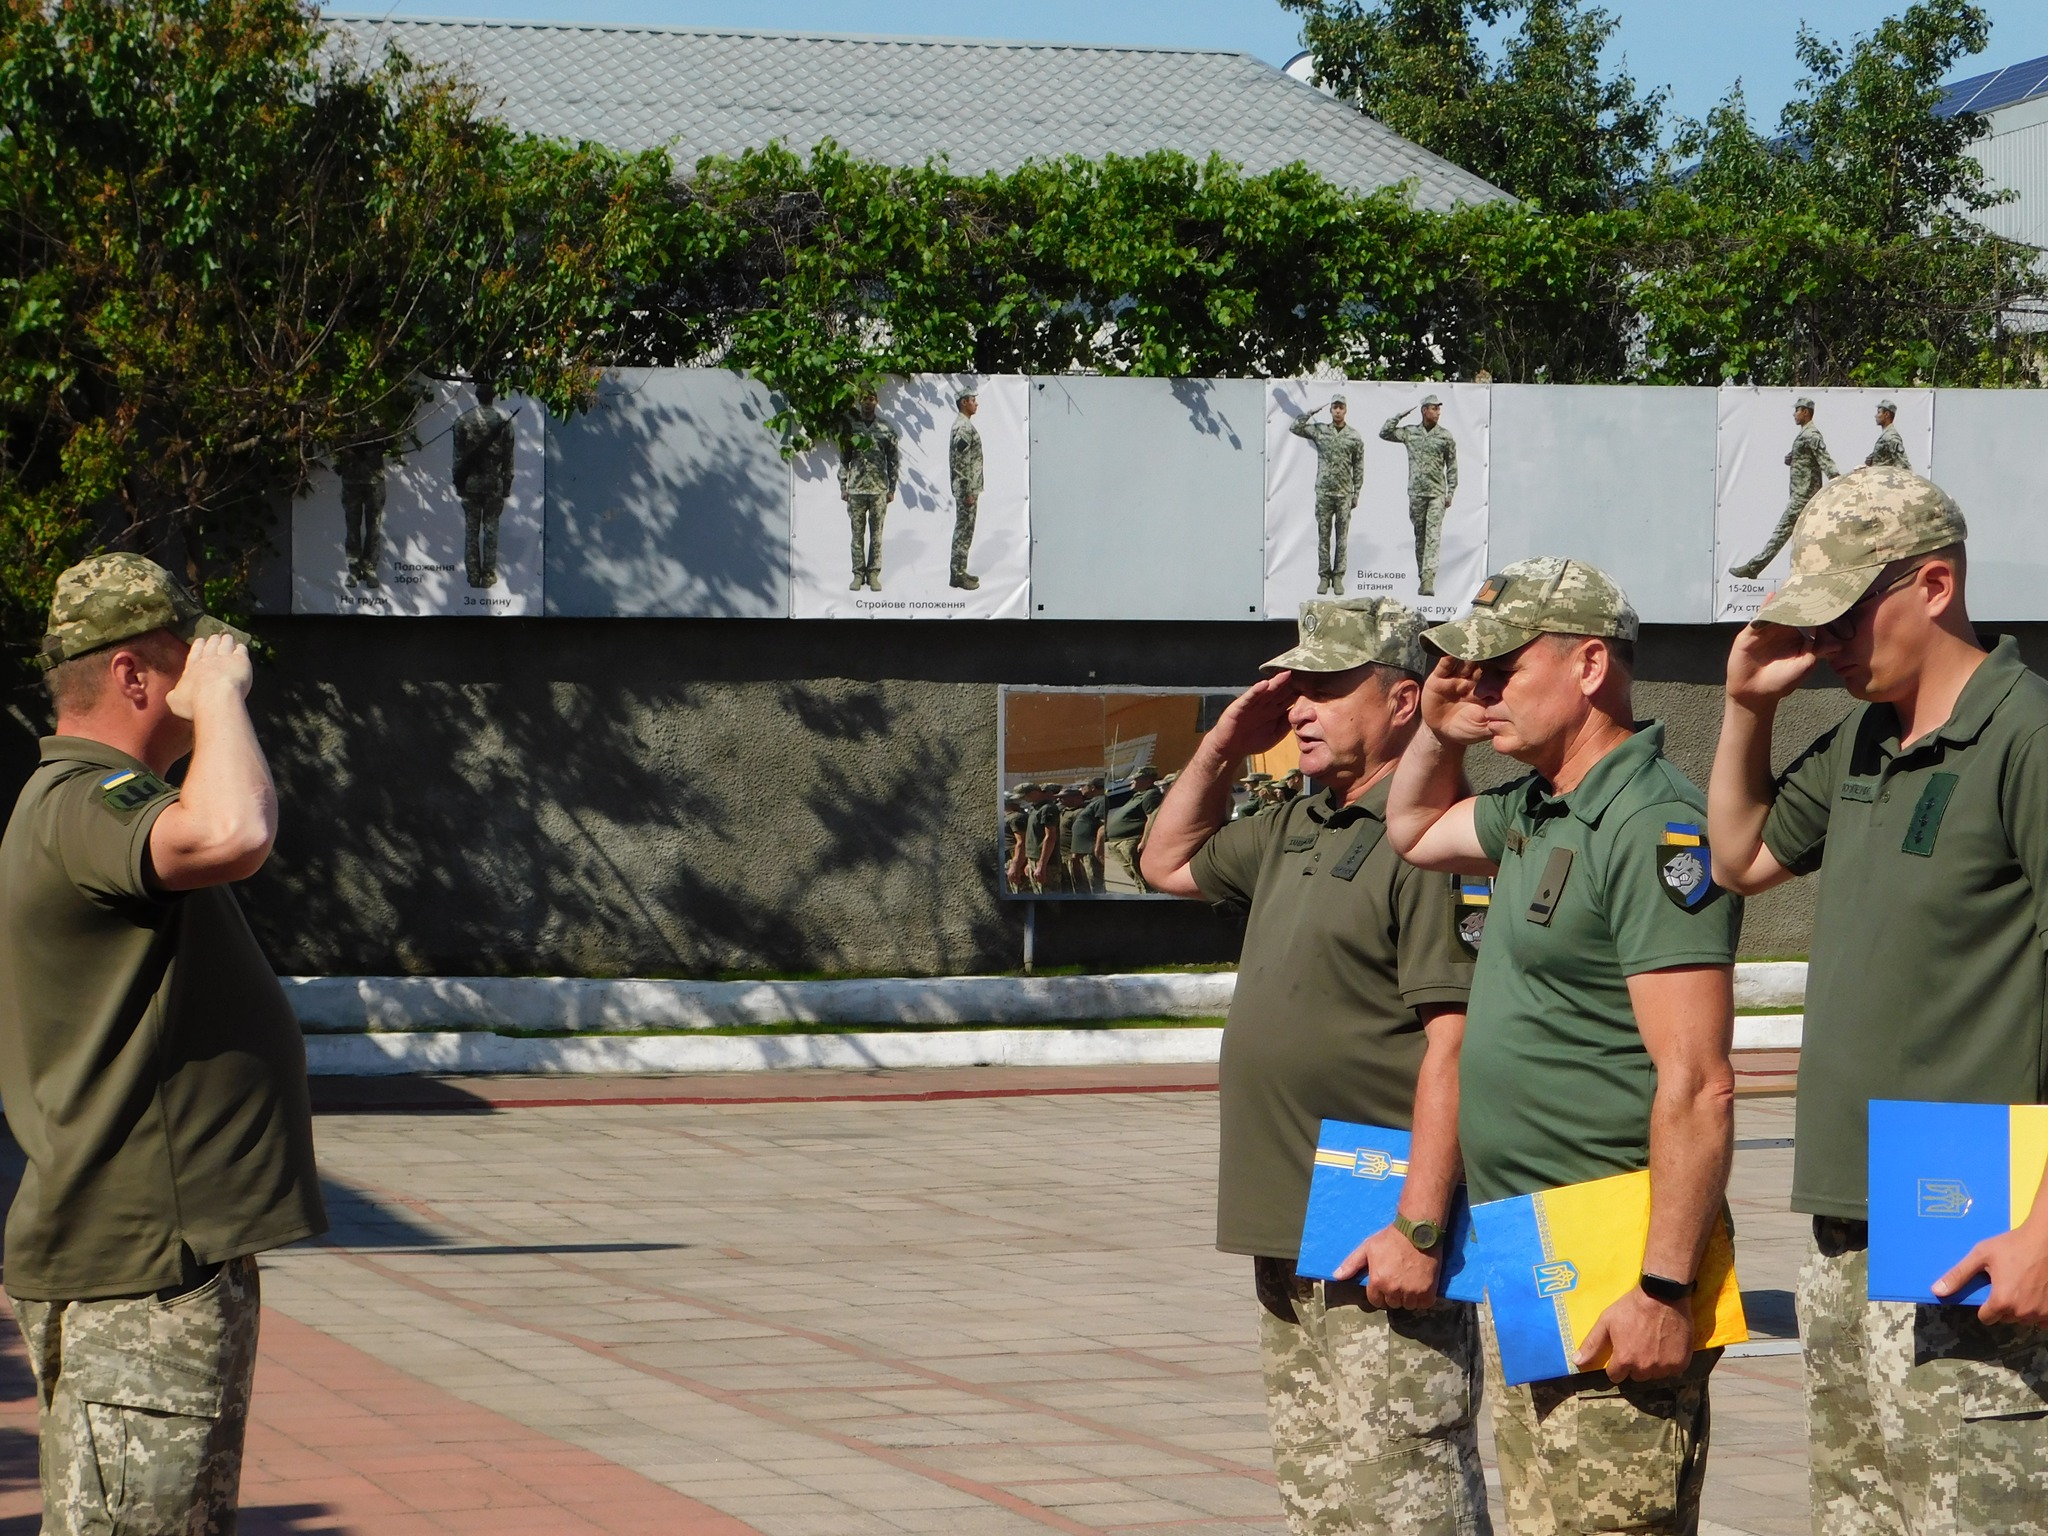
{"type": "Point", "coordinates": [983, 106]}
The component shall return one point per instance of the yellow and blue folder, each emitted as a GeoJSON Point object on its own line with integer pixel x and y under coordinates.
{"type": "Point", "coordinates": [1555, 1260]}
{"type": "Point", "coordinates": [1352, 1193]}
{"type": "Point", "coordinates": [1943, 1177]}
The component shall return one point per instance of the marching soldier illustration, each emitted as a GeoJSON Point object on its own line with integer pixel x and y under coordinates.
{"type": "Point", "coordinates": [1890, 447]}
{"type": "Point", "coordinates": [870, 462]}
{"type": "Point", "coordinates": [1432, 482]}
{"type": "Point", "coordinates": [483, 480]}
{"type": "Point", "coordinates": [362, 508]}
{"type": "Point", "coordinates": [1812, 467]}
{"type": "Point", "coordinates": [963, 456]}
{"type": "Point", "coordinates": [1340, 475]}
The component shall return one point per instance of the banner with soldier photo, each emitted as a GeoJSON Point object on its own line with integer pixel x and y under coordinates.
{"type": "Point", "coordinates": [1774, 448]}
{"type": "Point", "coordinates": [454, 526]}
{"type": "Point", "coordinates": [917, 505]}
{"type": "Point", "coordinates": [1376, 490]}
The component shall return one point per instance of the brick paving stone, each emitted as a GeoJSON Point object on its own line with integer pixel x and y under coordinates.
{"type": "Point", "coordinates": [862, 1312]}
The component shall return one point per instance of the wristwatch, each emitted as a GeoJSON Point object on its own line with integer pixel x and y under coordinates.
{"type": "Point", "coordinates": [1663, 1289]}
{"type": "Point", "coordinates": [1425, 1235]}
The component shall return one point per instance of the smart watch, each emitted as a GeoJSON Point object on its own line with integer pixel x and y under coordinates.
{"type": "Point", "coordinates": [1661, 1288]}
{"type": "Point", "coordinates": [1425, 1235]}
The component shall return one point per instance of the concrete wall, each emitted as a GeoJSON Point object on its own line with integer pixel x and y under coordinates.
{"type": "Point", "coordinates": [692, 797]}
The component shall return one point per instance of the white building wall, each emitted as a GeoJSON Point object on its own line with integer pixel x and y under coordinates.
{"type": "Point", "coordinates": [2015, 157]}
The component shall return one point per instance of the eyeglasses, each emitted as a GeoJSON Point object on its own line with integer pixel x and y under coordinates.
{"type": "Point", "coordinates": [1843, 629]}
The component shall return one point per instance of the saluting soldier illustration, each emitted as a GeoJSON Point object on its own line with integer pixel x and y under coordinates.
{"type": "Point", "coordinates": [1432, 482]}
{"type": "Point", "coordinates": [1340, 475]}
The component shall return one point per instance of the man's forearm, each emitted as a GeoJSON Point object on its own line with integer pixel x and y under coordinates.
{"type": "Point", "coordinates": [1741, 790]}
{"type": "Point", "coordinates": [1433, 1159]}
{"type": "Point", "coordinates": [1692, 1142]}
{"type": "Point", "coordinates": [1428, 781]}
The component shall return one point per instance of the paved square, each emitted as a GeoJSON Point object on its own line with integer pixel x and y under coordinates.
{"type": "Point", "coordinates": [976, 1315]}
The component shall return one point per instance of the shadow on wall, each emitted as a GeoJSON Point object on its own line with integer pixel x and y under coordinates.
{"type": "Point", "coordinates": [669, 497]}
{"type": "Point", "coordinates": [526, 826]}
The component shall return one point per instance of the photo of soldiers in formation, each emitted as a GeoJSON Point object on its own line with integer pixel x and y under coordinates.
{"type": "Point", "coordinates": [870, 463]}
{"type": "Point", "coordinates": [1432, 482]}
{"type": "Point", "coordinates": [482, 476]}
{"type": "Point", "coordinates": [1340, 476]}
{"type": "Point", "coordinates": [1811, 466]}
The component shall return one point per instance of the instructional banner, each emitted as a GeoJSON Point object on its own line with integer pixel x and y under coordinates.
{"type": "Point", "coordinates": [917, 505]}
{"type": "Point", "coordinates": [1772, 454]}
{"type": "Point", "coordinates": [453, 528]}
{"type": "Point", "coordinates": [1379, 496]}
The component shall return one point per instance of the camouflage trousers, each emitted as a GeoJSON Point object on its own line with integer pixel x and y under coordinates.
{"type": "Point", "coordinates": [1919, 1419]}
{"type": "Point", "coordinates": [1084, 873]}
{"type": "Point", "coordinates": [143, 1406]}
{"type": "Point", "coordinates": [1426, 512]}
{"type": "Point", "coordinates": [1581, 1456]}
{"type": "Point", "coordinates": [865, 510]}
{"type": "Point", "coordinates": [965, 505]}
{"type": "Point", "coordinates": [362, 513]}
{"type": "Point", "coordinates": [480, 517]}
{"type": "Point", "coordinates": [1374, 1413]}
{"type": "Point", "coordinates": [1333, 536]}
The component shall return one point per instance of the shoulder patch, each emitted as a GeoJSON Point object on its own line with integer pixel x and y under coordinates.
{"type": "Point", "coordinates": [1471, 897]}
{"type": "Point", "coordinates": [1684, 865]}
{"type": "Point", "coordinates": [128, 791]}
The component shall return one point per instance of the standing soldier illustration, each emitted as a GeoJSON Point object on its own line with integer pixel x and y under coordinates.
{"type": "Point", "coordinates": [963, 458]}
{"type": "Point", "coordinates": [1340, 475]}
{"type": "Point", "coordinates": [1812, 467]}
{"type": "Point", "coordinates": [483, 479]}
{"type": "Point", "coordinates": [1890, 447]}
{"type": "Point", "coordinates": [869, 462]}
{"type": "Point", "coordinates": [362, 508]}
{"type": "Point", "coordinates": [1432, 482]}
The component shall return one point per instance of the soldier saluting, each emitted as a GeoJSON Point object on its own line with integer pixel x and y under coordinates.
{"type": "Point", "coordinates": [1340, 475]}
{"type": "Point", "coordinates": [1432, 482]}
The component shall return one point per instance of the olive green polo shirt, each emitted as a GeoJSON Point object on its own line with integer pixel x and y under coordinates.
{"type": "Point", "coordinates": [1343, 943]}
{"type": "Point", "coordinates": [1925, 980]}
{"type": "Point", "coordinates": [1554, 1082]}
{"type": "Point", "coordinates": [1088, 821]}
{"type": "Point", "coordinates": [1128, 819]}
{"type": "Point", "coordinates": [150, 1066]}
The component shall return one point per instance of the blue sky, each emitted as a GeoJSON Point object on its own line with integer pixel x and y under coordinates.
{"type": "Point", "coordinates": [1696, 47]}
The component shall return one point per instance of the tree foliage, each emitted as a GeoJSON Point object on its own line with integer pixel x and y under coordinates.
{"type": "Point", "coordinates": [1544, 122]}
{"type": "Point", "coordinates": [233, 253]}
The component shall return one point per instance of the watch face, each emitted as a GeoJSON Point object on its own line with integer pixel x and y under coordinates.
{"type": "Point", "coordinates": [1424, 1235]}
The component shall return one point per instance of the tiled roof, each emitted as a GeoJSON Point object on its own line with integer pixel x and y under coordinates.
{"type": "Point", "coordinates": [981, 105]}
{"type": "Point", "coordinates": [2000, 88]}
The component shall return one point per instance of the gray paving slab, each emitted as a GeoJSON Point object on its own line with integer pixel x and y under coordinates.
{"type": "Point", "coordinates": [977, 1315]}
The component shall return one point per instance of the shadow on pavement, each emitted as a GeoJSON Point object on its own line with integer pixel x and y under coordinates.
{"type": "Point", "coordinates": [1771, 1314]}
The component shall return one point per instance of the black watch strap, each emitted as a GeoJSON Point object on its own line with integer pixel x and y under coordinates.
{"type": "Point", "coordinates": [1663, 1289]}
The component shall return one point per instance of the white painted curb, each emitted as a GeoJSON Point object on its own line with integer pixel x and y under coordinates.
{"type": "Point", "coordinates": [581, 1006]}
{"type": "Point", "coordinates": [390, 1055]}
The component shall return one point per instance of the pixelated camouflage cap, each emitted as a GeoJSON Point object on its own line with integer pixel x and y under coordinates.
{"type": "Point", "coordinates": [1432, 400]}
{"type": "Point", "coordinates": [110, 598]}
{"type": "Point", "coordinates": [1146, 772]}
{"type": "Point", "coordinates": [1890, 406]}
{"type": "Point", "coordinates": [1338, 400]}
{"type": "Point", "coordinates": [1544, 596]}
{"type": "Point", "coordinates": [1338, 634]}
{"type": "Point", "coordinates": [1853, 528]}
{"type": "Point", "coordinates": [1803, 403]}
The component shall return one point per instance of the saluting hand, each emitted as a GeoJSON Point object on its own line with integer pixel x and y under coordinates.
{"type": "Point", "coordinates": [1454, 716]}
{"type": "Point", "coordinates": [216, 667]}
{"type": "Point", "coordinates": [1767, 662]}
{"type": "Point", "coordinates": [1256, 719]}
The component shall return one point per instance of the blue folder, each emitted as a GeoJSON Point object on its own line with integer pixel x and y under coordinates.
{"type": "Point", "coordinates": [1359, 1171]}
{"type": "Point", "coordinates": [1943, 1177]}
